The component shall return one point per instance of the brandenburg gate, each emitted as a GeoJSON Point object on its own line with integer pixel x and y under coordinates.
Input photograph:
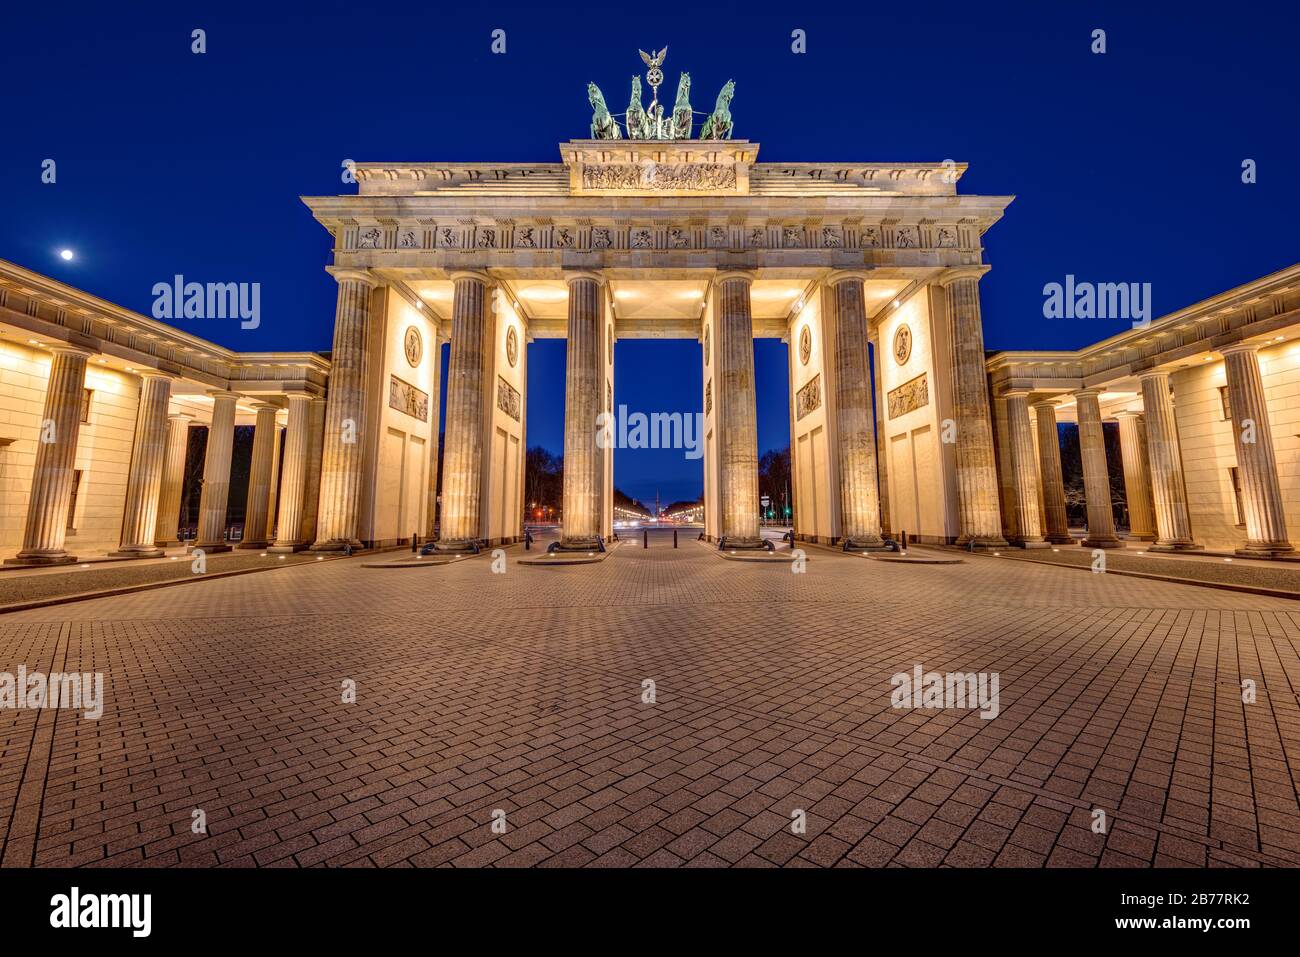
{"type": "Point", "coordinates": [642, 231]}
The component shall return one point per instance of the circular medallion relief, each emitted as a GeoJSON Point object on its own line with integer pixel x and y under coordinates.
{"type": "Point", "coordinates": [902, 344]}
{"type": "Point", "coordinates": [805, 345]}
{"type": "Point", "coordinates": [413, 345]}
{"type": "Point", "coordinates": [706, 345]}
{"type": "Point", "coordinates": [512, 347]}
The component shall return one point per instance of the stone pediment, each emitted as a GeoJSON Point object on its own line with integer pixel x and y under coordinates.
{"type": "Point", "coordinates": [658, 167]}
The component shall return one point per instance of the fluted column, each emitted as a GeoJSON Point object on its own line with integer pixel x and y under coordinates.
{"type": "Point", "coordinates": [737, 421]}
{"type": "Point", "coordinates": [216, 474]}
{"type": "Point", "coordinates": [583, 459]}
{"type": "Point", "coordinates": [882, 456]}
{"type": "Point", "coordinates": [56, 460]}
{"type": "Point", "coordinates": [293, 475]}
{"type": "Point", "coordinates": [1050, 475]}
{"type": "Point", "coordinates": [1096, 476]}
{"type": "Point", "coordinates": [311, 490]}
{"type": "Point", "coordinates": [1168, 487]}
{"type": "Point", "coordinates": [980, 518]}
{"type": "Point", "coordinates": [1261, 492]}
{"type": "Point", "coordinates": [462, 459]}
{"type": "Point", "coordinates": [144, 480]}
{"type": "Point", "coordinates": [173, 480]}
{"type": "Point", "coordinates": [259, 477]}
{"type": "Point", "coordinates": [859, 493]}
{"type": "Point", "coordinates": [1024, 468]}
{"type": "Point", "coordinates": [345, 414]}
{"type": "Point", "coordinates": [273, 491]}
{"type": "Point", "coordinates": [1137, 475]}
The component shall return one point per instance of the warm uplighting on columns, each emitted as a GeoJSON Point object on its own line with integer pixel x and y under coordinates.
{"type": "Point", "coordinates": [584, 384]}
{"type": "Point", "coordinates": [737, 418]}
{"type": "Point", "coordinates": [144, 480]}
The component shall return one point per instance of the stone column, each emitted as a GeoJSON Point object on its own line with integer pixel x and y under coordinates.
{"type": "Point", "coordinates": [56, 460]}
{"type": "Point", "coordinates": [980, 518]}
{"type": "Point", "coordinates": [584, 472]}
{"type": "Point", "coordinates": [311, 490]}
{"type": "Point", "coordinates": [1049, 472]}
{"type": "Point", "coordinates": [435, 398]}
{"type": "Point", "coordinates": [1024, 468]}
{"type": "Point", "coordinates": [1096, 477]}
{"type": "Point", "coordinates": [144, 480]}
{"type": "Point", "coordinates": [173, 480]}
{"type": "Point", "coordinates": [259, 477]}
{"type": "Point", "coordinates": [737, 417]}
{"type": "Point", "coordinates": [273, 492]}
{"type": "Point", "coordinates": [1137, 476]}
{"type": "Point", "coordinates": [293, 481]}
{"type": "Point", "coordinates": [216, 474]}
{"type": "Point", "coordinates": [1261, 492]}
{"type": "Point", "coordinates": [882, 454]}
{"type": "Point", "coordinates": [345, 414]}
{"type": "Point", "coordinates": [859, 493]}
{"type": "Point", "coordinates": [462, 459]}
{"type": "Point", "coordinates": [1168, 487]}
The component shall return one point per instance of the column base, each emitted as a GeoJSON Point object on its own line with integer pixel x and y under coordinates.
{"type": "Point", "coordinates": [1265, 550]}
{"type": "Point", "coordinates": [336, 545]}
{"type": "Point", "coordinates": [1060, 539]}
{"type": "Point", "coordinates": [249, 546]}
{"type": "Point", "coordinates": [172, 543]}
{"type": "Point", "coordinates": [465, 547]}
{"type": "Point", "coordinates": [876, 544]}
{"type": "Point", "coordinates": [978, 542]}
{"type": "Point", "coordinates": [1176, 547]}
{"type": "Point", "coordinates": [137, 553]}
{"type": "Point", "coordinates": [1141, 538]}
{"type": "Point", "coordinates": [736, 544]}
{"type": "Point", "coordinates": [288, 547]}
{"type": "Point", "coordinates": [1031, 543]}
{"type": "Point", "coordinates": [211, 549]}
{"type": "Point", "coordinates": [1101, 543]}
{"type": "Point", "coordinates": [593, 544]}
{"type": "Point", "coordinates": [35, 558]}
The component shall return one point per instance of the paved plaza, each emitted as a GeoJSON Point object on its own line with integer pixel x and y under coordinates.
{"type": "Point", "coordinates": [523, 693]}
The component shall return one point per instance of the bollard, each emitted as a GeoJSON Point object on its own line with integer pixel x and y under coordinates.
{"type": "Point", "coordinates": [902, 540]}
{"type": "Point", "coordinates": [645, 538]}
{"type": "Point", "coordinates": [415, 547]}
{"type": "Point", "coordinates": [674, 538]}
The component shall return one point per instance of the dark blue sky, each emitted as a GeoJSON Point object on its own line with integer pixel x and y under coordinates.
{"type": "Point", "coordinates": [1126, 166]}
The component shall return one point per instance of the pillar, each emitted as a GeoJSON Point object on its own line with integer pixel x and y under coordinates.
{"type": "Point", "coordinates": [462, 459]}
{"type": "Point", "coordinates": [144, 480]}
{"type": "Point", "coordinates": [293, 475]}
{"type": "Point", "coordinates": [216, 474]}
{"type": "Point", "coordinates": [173, 480]}
{"type": "Point", "coordinates": [1096, 477]}
{"type": "Point", "coordinates": [1024, 470]}
{"type": "Point", "coordinates": [584, 382]}
{"type": "Point", "coordinates": [882, 455]}
{"type": "Point", "coordinates": [345, 414]}
{"type": "Point", "coordinates": [1050, 474]}
{"type": "Point", "coordinates": [56, 460]}
{"type": "Point", "coordinates": [1165, 455]}
{"type": "Point", "coordinates": [737, 418]}
{"type": "Point", "coordinates": [1137, 476]}
{"type": "Point", "coordinates": [273, 492]}
{"type": "Point", "coordinates": [435, 416]}
{"type": "Point", "coordinates": [979, 516]}
{"type": "Point", "coordinates": [1261, 492]}
{"type": "Point", "coordinates": [311, 490]}
{"type": "Point", "coordinates": [859, 492]}
{"type": "Point", "coordinates": [259, 477]}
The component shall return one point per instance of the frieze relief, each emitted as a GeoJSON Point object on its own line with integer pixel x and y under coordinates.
{"type": "Point", "coordinates": [670, 176]}
{"type": "Point", "coordinates": [908, 397]}
{"type": "Point", "coordinates": [406, 398]}
{"type": "Point", "coordinates": [508, 399]}
{"type": "Point", "coordinates": [809, 398]}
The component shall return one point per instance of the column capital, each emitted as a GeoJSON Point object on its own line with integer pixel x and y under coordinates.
{"type": "Point", "coordinates": [837, 276]}
{"type": "Point", "coordinates": [458, 274]}
{"type": "Point", "coordinates": [723, 275]}
{"type": "Point", "coordinates": [1240, 347]}
{"type": "Point", "coordinates": [223, 394]}
{"type": "Point", "coordinates": [573, 275]}
{"type": "Point", "coordinates": [1153, 374]}
{"type": "Point", "coordinates": [343, 274]}
{"type": "Point", "coordinates": [265, 407]}
{"type": "Point", "coordinates": [1017, 394]}
{"type": "Point", "coordinates": [949, 276]}
{"type": "Point", "coordinates": [1128, 414]}
{"type": "Point", "coordinates": [180, 416]}
{"type": "Point", "coordinates": [1086, 393]}
{"type": "Point", "coordinates": [154, 374]}
{"type": "Point", "coordinates": [68, 349]}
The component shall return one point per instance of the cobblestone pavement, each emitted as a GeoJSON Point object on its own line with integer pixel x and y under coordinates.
{"type": "Point", "coordinates": [522, 692]}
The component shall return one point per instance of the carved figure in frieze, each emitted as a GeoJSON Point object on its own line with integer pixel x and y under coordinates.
{"type": "Point", "coordinates": [487, 238]}
{"type": "Point", "coordinates": [526, 238]}
{"type": "Point", "coordinates": [757, 237]}
{"type": "Point", "coordinates": [947, 238]}
{"type": "Point", "coordinates": [563, 237]}
{"type": "Point", "coordinates": [830, 237]}
{"type": "Point", "coordinates": [679, 238]}
{"type": "Point", "coordinates": [449, 238]}
{"type": "Point", "coordinates": [791, 237]}
{"type": "Point", "coordinates": [601, 238]}
{"type": "Point", "coordinates": [642, 239]}
{"type": "Point", "coordinates": [408, 240]}
{"type": "Point", "coordinates": [603, 126]}
{"type": "Point", "coordinates": [717, 236]}
{"type": "Point", "coordinates": [368, 240]}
